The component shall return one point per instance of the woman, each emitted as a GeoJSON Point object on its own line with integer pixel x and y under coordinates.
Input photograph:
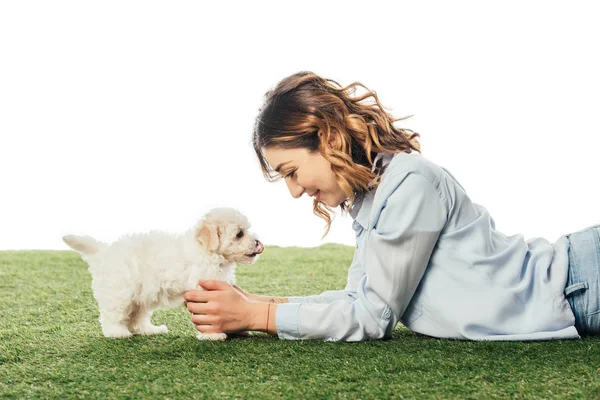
{"type": "Point", "coordinates": [425, 254]}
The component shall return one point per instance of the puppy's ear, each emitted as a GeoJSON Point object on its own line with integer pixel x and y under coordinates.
{"type": "Point", "coordinates": [207, 234]}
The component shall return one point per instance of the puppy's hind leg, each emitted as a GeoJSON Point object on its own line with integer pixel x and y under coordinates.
{"type": "Point", "coordinates": [142, 325]}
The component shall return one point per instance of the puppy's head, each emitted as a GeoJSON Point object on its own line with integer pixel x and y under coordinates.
{"type": "Point", "coordinates": [225, 231]}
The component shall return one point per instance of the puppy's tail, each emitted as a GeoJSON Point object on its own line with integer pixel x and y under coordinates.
{"type": "Point", "coordinates": [85, 245]}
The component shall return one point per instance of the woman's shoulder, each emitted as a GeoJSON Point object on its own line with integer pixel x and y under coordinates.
{"type": "Point", "coordinates": [412, 172]}
{"type": "Point", "coordinates": [407, 178]}
{"type": "Point", "coordinates": [404, 163]}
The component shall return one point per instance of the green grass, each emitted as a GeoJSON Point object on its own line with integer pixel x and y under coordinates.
{"type": "Point", "coordinates": [51, 346]}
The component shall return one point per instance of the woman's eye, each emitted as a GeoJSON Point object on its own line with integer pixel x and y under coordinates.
{"type": "Point", "coordinates": [240, 234]}
{"type": "Point", "coordinates": [290, 174]}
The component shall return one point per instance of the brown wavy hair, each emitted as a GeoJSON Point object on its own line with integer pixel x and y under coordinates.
{"type": "Point", "coordinates": [303, 105]}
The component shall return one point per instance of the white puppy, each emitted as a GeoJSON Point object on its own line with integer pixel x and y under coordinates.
{"type": "Point", "coordinates": [140, 273]}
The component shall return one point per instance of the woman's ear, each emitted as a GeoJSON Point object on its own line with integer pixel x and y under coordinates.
{"type": "Point", "coordinates": [332, 143]}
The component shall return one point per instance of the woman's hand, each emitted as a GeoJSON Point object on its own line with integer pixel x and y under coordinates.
{"type": "Point", "coordinates": [222, 308]}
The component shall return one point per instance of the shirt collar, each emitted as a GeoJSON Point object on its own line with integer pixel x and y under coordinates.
{"type": "Point", "coordinates": [362, 203]}
{"type": "Point", "coordinates": [361, 207]}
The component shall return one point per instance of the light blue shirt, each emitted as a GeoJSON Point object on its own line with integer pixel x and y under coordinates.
{"type": "Point", "coordinates": [430, 258]}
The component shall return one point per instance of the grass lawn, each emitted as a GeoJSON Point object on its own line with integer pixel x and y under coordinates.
{"type": "Point", "coordinates": [51, 346]}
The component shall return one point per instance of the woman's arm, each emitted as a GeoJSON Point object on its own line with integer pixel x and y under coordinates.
{"type": "Point", "coordinates": [355, 272]}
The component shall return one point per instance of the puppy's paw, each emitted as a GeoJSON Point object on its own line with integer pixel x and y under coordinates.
{"type": "Point", "coordinates": [152, 330]}
{"type": "Point", "coordinates": [116, 332]}
{"type": "Point", "coordinates": [211, 336]}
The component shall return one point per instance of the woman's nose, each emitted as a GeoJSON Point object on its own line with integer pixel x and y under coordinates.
{"type": "Point", "coordinates": [295, 189]}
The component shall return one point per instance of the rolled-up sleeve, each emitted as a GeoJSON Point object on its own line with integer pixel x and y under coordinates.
{"type": "Point", "coordinates": [395, 253]}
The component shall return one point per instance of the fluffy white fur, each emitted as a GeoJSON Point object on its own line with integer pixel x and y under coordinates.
{"type": "Point", "coordinates": [140, 273]}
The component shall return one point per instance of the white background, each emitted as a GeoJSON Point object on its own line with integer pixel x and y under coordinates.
{"type": "Point", "coordinates": [127, 116]}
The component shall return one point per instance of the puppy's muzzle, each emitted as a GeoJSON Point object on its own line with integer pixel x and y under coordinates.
{"type": "Point", "coordinates": [259, 249]}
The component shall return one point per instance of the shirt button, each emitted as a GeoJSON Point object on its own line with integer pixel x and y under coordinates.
{"type": "Point", "coordinates": [387, 314]}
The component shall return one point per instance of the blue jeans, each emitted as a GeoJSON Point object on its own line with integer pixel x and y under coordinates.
{"type": "Point", "coordinates": [583, 284]}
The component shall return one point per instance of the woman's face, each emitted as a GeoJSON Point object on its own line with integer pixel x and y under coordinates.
{"type": "Point", "coordinates": [306, 172]}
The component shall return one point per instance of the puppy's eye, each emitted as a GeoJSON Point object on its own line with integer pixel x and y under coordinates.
{"type": "Point", "coordinates": [240, 234]}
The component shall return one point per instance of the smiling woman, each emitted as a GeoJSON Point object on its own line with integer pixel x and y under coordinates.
{"type": "Point", "coordinates": [328, 137]}
{"type": "Point", "coordinates": [426, 255]}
